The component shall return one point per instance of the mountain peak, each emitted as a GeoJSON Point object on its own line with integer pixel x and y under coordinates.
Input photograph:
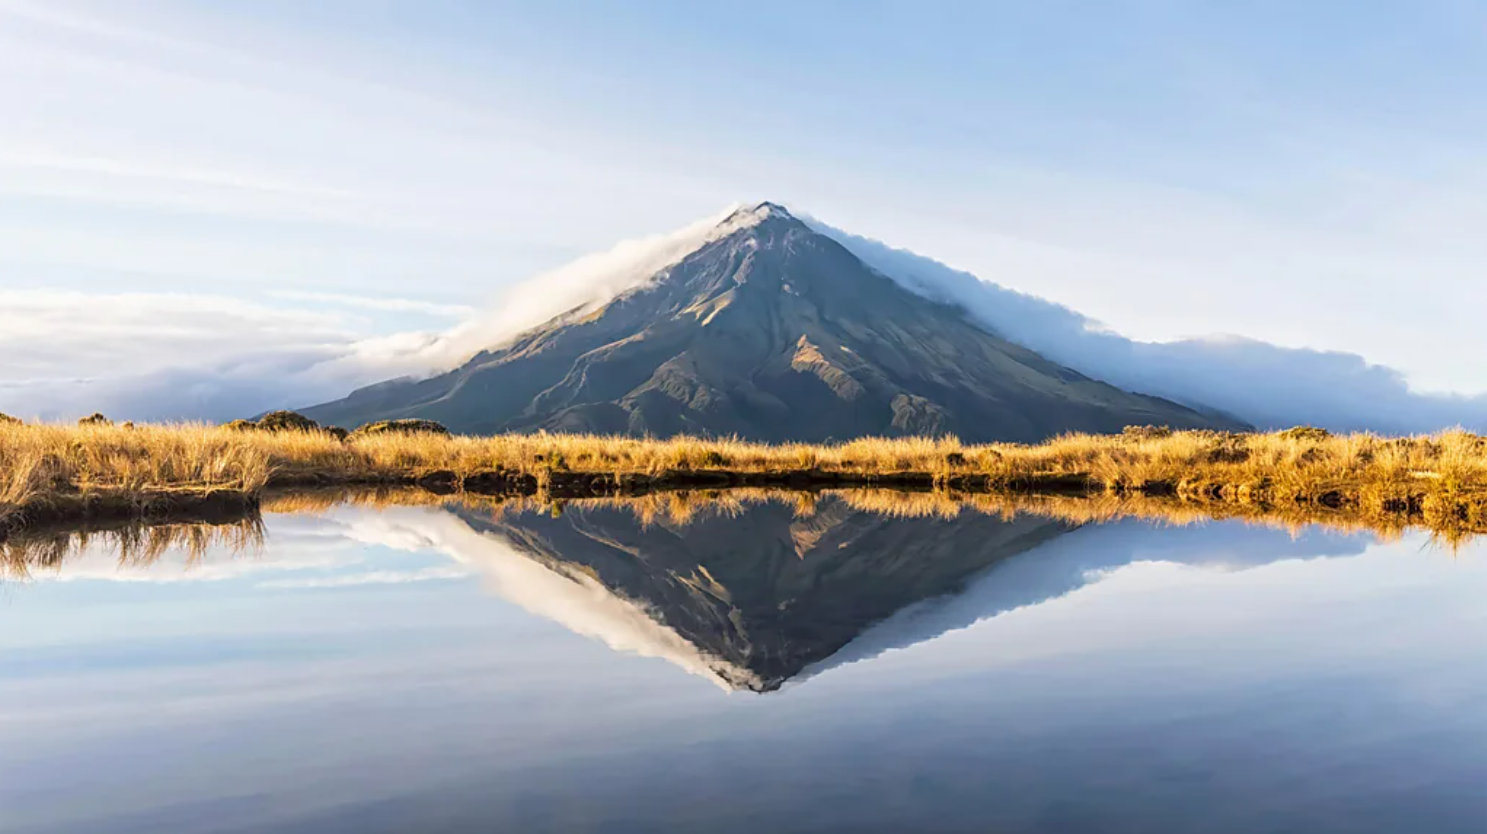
{"type": "Point", "coordinates": [773, 209]}
{"type": "Point", "coordinates": [753, 215]}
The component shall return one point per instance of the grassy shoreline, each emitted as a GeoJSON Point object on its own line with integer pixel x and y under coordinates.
{"type": "Point", "coordinates": [52, 473]}
{"type": "Point", "coordinates": [240, 530]}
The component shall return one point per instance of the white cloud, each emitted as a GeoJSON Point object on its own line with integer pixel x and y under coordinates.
{"type": "Point", "coordinates": [12, 157]}
{"type": "Point", "coordinates": [380, 577]}
{"type": "Point", "coordinates": [169, 354]}
{"type": "Point", "coordinates": [395, 305]}
{"type": "Point", "coordinates": [1266, 384]}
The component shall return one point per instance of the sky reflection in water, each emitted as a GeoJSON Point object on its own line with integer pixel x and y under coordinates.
{"type": "Point", "coordinates": [420, 669]}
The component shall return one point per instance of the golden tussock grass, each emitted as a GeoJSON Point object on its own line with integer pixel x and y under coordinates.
{"type": "Point", "coordinates": [37, 461]}
{"type": "Point", "coordinates": [1441, 477]}
{"type": "Point", "coordinates": [41, 456]}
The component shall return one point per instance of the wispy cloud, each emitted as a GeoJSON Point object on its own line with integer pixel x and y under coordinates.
{"type": "Point", "coordinates": [380, 577]}
{"type": "Point", "coordinates": [160, 167]}
{"type": "Point", "coordinates": [12, 157]}
{"type": "Point", "coordinates": [395, 305]}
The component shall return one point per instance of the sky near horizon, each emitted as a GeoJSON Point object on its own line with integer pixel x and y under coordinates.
{"type": "Point", "coordinates": [179, 180]}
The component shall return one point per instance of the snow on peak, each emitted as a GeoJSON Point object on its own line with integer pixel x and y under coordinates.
{"type": "Point", "coordinates": [748, 216]}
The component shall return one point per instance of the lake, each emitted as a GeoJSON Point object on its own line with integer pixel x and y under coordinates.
{"type": "Point", "coordinates": [755, 666]}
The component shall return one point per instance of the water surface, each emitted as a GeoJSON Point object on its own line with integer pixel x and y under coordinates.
{"type": "Point", "coordinates": [457, 669]}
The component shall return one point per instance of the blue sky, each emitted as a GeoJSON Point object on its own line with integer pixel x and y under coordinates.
{"type": "Point", "coordinates": [313, 174]}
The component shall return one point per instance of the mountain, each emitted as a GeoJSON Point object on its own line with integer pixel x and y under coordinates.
{"type": "Point", "coordinates": [770, 331]}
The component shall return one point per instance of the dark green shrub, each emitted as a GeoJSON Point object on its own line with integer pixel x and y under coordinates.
{"type": "Point", "coordinates": [1146, 432]}
{"type": "Point", "coordinates": [286, 421]}
{"type": "Point", "coordinates": [401, 427]}
{"type": "Point", "coordinates": [95, 419]}
{"type": "Point", "coordinates": [337, 432]}
{"type": "Point", "coordinates": [241, 425]}
{"type": "Point", "coordinates": [1305, 433]}
{"type": "Point", "coordinates": [6, 418]}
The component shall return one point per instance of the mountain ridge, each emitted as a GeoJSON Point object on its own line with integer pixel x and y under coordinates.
{"type": "Point", "coordinates": [768, 330]}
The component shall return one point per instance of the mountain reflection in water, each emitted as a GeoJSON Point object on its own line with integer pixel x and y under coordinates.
{"type": "Point", "coordinates": [748, 593]}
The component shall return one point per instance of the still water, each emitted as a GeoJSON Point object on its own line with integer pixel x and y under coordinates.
{"type": "Point", "coordinates": [440, 669]}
